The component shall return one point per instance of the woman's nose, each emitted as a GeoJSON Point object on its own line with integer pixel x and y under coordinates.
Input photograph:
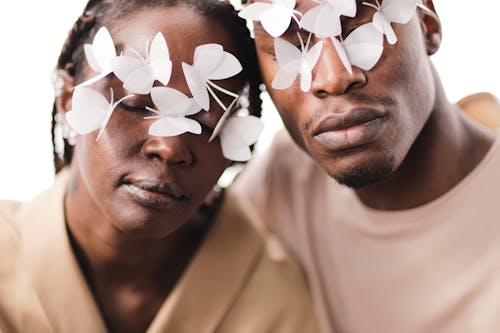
{"type": "Point", "coordinates": [331, 77]}
{"type": "Point", "coordinates": [170, 150]}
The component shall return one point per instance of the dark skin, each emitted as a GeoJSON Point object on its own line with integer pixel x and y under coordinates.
{"type": "Point", "coordinates": [426, 144]}
{"type": "Point", "coordinates": [131, 251]}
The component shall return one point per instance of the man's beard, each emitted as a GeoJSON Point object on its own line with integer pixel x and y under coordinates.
{"type": "Point", "coordinates": [362, 176]}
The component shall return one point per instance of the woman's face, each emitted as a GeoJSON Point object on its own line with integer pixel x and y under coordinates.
{"type": "Point", "coordinates": [146, 185]}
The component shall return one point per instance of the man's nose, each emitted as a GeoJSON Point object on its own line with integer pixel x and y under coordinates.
{"type": "Point", "coordinates": [331, 77]}
{"type": "Point", "coordinates": [171, 150]}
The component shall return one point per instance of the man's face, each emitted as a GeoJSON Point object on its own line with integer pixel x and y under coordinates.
{"type": "Point", "coordinates": [359, 127]}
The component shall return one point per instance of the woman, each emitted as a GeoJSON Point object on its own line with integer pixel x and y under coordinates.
{"type": "Point", "coordinates": [126, 239]}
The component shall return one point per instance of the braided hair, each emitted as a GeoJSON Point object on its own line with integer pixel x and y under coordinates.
{"type": "Point", "coordinates": [100, 12]}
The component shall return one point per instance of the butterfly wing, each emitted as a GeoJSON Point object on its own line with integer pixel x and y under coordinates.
{"type": "Point", "coordinates": [276, 20]}
{"type": "Point", "coordinates": [159, 58]}
{"type": "Point", "coordinates": [196, 85]}
{"type": "Point", "coordinates": [170, 101]}
{"type": "Point", "coordinates": [206, 58]}
{"type": "Point", "coordinates": [88, 112]}
{"type": "Point", "coordinates": [308, 63]}
{"type": "Point", "coordinates": [123, 66]}
{"type": "Point", "coordinates": [102, 50]}
{"type": "Point", "coordinates": [172, 126]}
{"type": "Point", "coordinates": [237, 135]}
{"type": "Point", "coordinates": [140, 81]}
{"type": "Point", "coordinates": [364, 46]}
{"type": "Point", "coordinates": [228, 67]}
{"type": "Point", "coordinates": [399, 11]}
{"type": "Point", "coordinates": [254, 11]}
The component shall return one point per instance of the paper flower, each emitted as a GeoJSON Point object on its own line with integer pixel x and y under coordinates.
{"type": "Point", "coordinates": [211, 62]}
{"type": "Point", "coordinates": [362, 48]}
{"type": "Point", "coordinates": [99, 55]}
{"type": "Point", "coordinates": [324, 20]}
{"type": "Point", "coordinates": [91, 110]}
{"type": "Point", "coordinates": [139, 74]}
{"type": "Point", "coordinates": [237, 134]}
{"type": "Point", "coordinates": [173, 107]}
{"type": "Point", "coordinates": [275, 17]}
{"type": "Point", "coordinates": [294, 62]}
{"type": "Point", "coordinates": [393, 11]}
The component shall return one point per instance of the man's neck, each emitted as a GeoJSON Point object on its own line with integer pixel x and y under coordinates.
{"type": "Point", "coordinates": [448, 148]}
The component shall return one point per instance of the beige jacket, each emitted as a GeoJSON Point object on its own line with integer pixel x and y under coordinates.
{"type": "Point", "coordinates": [240, 280]}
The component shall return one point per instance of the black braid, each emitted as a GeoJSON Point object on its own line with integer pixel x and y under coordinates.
{"type": "Point", "coordinates": [99, 11]}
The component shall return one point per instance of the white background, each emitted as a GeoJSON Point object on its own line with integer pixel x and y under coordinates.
{"type": "Point", "coordinates": [32, 33]}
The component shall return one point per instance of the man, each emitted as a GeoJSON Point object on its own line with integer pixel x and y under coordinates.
{"type": "Point", "coordinates": [390, 198]}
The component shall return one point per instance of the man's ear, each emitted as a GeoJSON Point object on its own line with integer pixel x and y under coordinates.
{"type": "Point", "coordinates": [431, 27]}
{"type": "Point", "coordinates": [64, 91]}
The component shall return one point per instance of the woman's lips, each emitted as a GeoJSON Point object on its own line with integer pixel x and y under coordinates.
{"type": "Point", "coordinates": [154, 194]}
{"type": "Point", "coordinates": [351, 129]}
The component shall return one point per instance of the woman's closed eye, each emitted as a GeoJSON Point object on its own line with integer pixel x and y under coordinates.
{"type": "Point", "coordinates": [133, 108]}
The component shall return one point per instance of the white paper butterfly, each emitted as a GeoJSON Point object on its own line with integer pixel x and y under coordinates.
{"type": "Point", "coordinates": [324, 20]}
{"type": "Point", "coordinates": [393, 11]}
{"type": "Point", "coordinates": [139, 74]}
{"type": "Point", "coordinates": [173, 107]}
{"type": "Point", "coordinates": [362, 48]}
{"type": "Point", "coordinates": [293, 62]}
{"type": "Point", "coordinates": [237, 134]}
{"type": "Point", "coordinates": [99, 55]}
{"type": "Point", "coordinates": [91, 110]}
{"type": "Point", "coordinates": [211, 62]}
{"type": "Point", "coordinates": [275, 17]}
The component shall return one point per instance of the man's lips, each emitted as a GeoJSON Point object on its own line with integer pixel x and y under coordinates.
{"type": "Point", "coordinates": [347, 120]}
{"type": "Point", "coordinates": [350, 129]}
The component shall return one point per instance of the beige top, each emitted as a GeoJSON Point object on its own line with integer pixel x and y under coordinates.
{"type": "Point", "coordinates": [435, 268]}
{"type": "Point", "coordinates": [239, 280]}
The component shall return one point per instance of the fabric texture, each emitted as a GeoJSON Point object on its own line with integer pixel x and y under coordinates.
{"type": "Point", "coordinates": [240, 279]}
{"type": "Point", "coordinates": [435, 268]}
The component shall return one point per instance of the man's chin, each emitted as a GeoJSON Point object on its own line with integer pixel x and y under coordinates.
{"type": "Point", "coordinates": [361, 176]}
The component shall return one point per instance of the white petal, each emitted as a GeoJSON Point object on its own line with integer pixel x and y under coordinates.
{"type": "Point", "coordinates": [312, 56]}
{"type": "Point", "coordinates": [238, 133]}
{"type": "Point", "coordinates": [162, 70]}
{"type": "Point", "coordinates": [237, 154]}
{"type": "Point", "coordinates": [103, 44]}
{"type": "Point", "coordinates": [305, 81]}
{"type": "Point", "coordinates": [170, 101]}
{"type": "Point", "coordinates": [171, 126]}
{"type": "Point", "coordinates": [341, 52]}
{"type": "Point", "coordinates": [101, 52]}
{"type": "Point", "coordinates": [123, 66]}
{"type": "Point", "coordinates": [398, 11]}
{"type": "Point", "coordinates": [88, 112]}
{"type": "Point", "coordinates": [364, 46]}
{"type": "Point", "coordinates": [228, 67]}
{"type": "Point", "coordinates": [207, 57]}
{"type": "Point", "coordinates": [276, 21]}
{"type": "Point", "coordinates": [283, 79]}
{"type": "Point", "coordinates": [328, 23]}
{"type": "Point", "coordinates": [91, 57]}
{"type": "Point", "coordinates": [193, 108]}
{"type": "Point", "coordinates": [285, 52]}
{"type": "Point", "coordinates": [310, 18]}
{"type": "Point", "coordinates": [196, 86]}
{"type": "Point", "coordinates": [254, 11]}
{"type": "Point", "coordinates": [242, 130]}
{"type": "Point", "coordinates": [159, 48]}
{"type": "Point", "coordinates": [140, 81]}
{"type": "Point", "coordinates": [344, 7]}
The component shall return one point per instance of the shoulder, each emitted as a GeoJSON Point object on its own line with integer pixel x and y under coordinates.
{"type": "Point", "coordinates": [275, 296]}
{"type": "Point", "coordinates": [483, 108]}
{"type": "Point", "coordinates": [9, 229]}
